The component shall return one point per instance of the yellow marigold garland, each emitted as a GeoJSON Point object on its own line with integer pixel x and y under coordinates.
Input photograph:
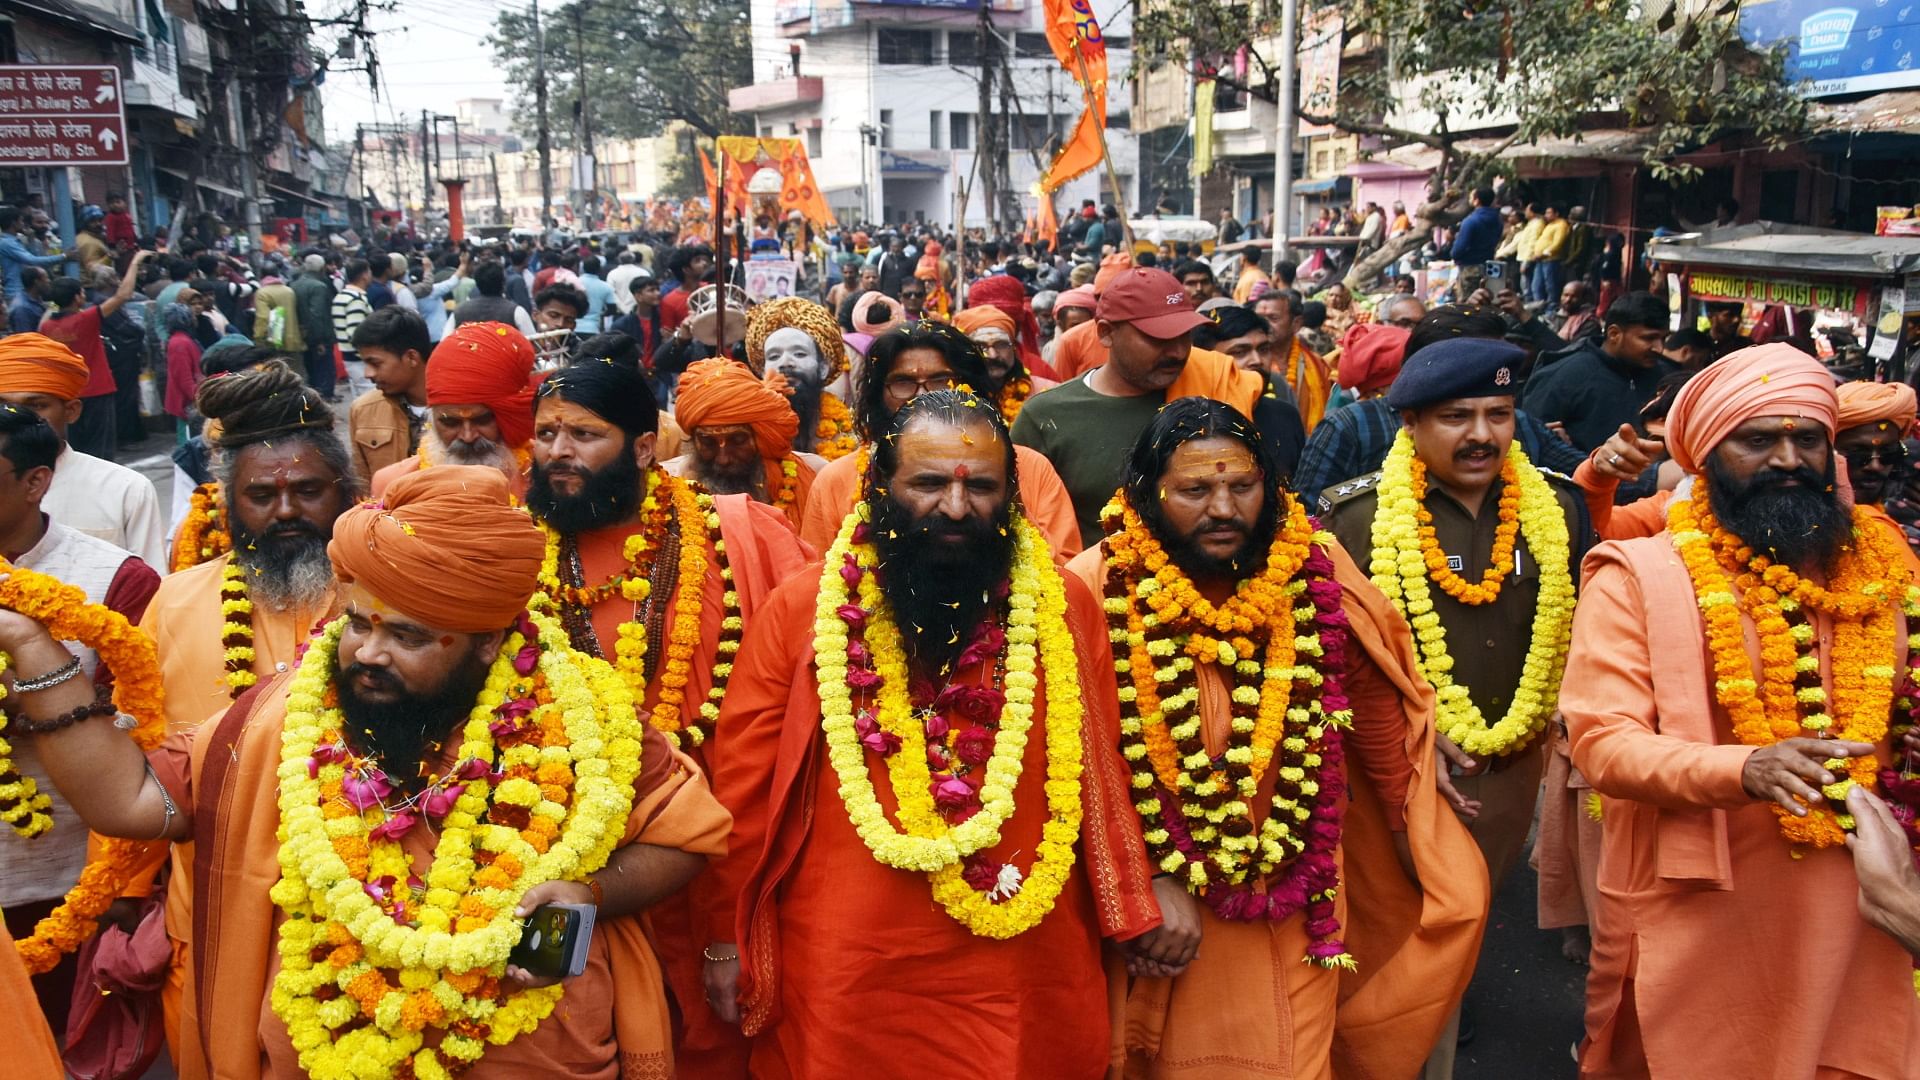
{"type": "Point", "coordinates": [236, 628]}
{"type": "Point", "coordinates": [1399, 567]}
{"type": "Point", "coordinates": [203, 535]}
{"type": "Point", "coordinates": [1037, 639]}
{"type": "Point", "coordinates": [137, 693]}
{"type": "Point", "coordinates": [26, 809]}
{"type": "Point", "coordinates": [732, 626]}
{"type": "Point", "coordinates": [834, 436]}
{"type": "Point", "coordinates": [550, 750]}
{"type": "Point", "coordinates": [1868, 588]}
{"type": "Point", "coordinates": [670, 502]}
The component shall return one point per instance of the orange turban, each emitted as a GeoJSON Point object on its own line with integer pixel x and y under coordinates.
{"type": "Point", "coordinates": [1111, 267]}
{"type": "Point", "coordinates": [974, 318]}
{"type": "Point", "coordinates": [876, 313]}
{"type": "Point", "coordinates": [37, 364]}
{"type": "Point", "coordinates": [1874, 402]}
{"type": "Point", "coordinates": [491, 364]}
{"type": "Point", "coordinates": [1765, 380]}
{"type": "Point", "coordinates": [445, 546]}
{"type": "Point", "coordinates": [721, 393]}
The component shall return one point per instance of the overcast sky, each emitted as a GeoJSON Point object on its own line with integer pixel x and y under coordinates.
{"type": "Point", "coordinates": [431, 55]}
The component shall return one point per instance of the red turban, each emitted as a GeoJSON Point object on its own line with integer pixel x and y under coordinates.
{"type": "Point", "coordinates": [37, 364]}
{"type": "Point", "coordinates": [491, 364]}
{"type": "Point", "coordinates": [1005, 292]}
{"type": "Point", "coordinates": [445, 546]}
{"type": "Point", "coordinates": [1371, 355]}
{"type": "Point", "coordinates": [1875, 402]}
{"type": "Point", "coordinates": [1765, 380]}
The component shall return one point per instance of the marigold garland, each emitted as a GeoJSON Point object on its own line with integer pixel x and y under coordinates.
{"type": "Point", "coordinates": [1286, 712]}
{"type": "Point", "coordinates": [26, 809]}
{"type": "Point", "coordinates": [1499, 560]}
{"type": "Point", "coordinates": [374, 953]}
{"type": "Point", "coordinates": [670, 503]}
{"type": "Point", "coordinates": [1399, 567]}
{"type": "Point", "coordinates": [834, 436]}
{"type": "Point", "coordinates": [1013, 397]}
{"type": "Point", "coordinates": [732, 626]}
{"type": "Point", "coordinates": [1866, 590]}
{"type": "Point", "coordinates": [137, 693]}
{"type": "Point", "coordinates": [1037, 638]}
{"type": "Point", "coordinates": [236, 628]}
{"type": "Point", "coordinates": [203, 535]}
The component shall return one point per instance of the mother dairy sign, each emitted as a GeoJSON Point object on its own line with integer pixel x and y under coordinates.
{"type": "Point", "coordinates": [1840, 48]}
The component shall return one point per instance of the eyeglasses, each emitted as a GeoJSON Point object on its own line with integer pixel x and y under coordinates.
{"type": "Point", "coordinates": [904, 387]}
{"type": "Point", "coordinates": [1892, 455]}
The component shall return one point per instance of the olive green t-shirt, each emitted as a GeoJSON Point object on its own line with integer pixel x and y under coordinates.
{"type": "Point", "coordinates": [1086, 436]}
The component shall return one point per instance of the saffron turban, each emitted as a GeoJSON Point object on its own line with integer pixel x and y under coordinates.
{"type": "Point", "coordinates": [1874, 402]}
{"type": "Point", "coordinates": [445, 547]}
{"type": "Point", "coordinates": [800, 314]}
{"type": "Point", "coordinates": [1371, 355]}
{"type": "Point", "coordinates": [37, 364]}
{"type": "Point", "coordinates": [491, 364]}
{"type": "Point", "coordinates": [978, 318]}
{"type": "Point", "coordinates": [1005, 292]}
{"type": "Point", "coordinates": [1765, 380]}
{"type": "Point", "coordinates": [723, 393]}
{"type": "Point", "coordinates": [876, 313]}
{"type": "Point", "coordinates": [1111, 267]}
{"type": "Point", "coordinates": [1081, 297]}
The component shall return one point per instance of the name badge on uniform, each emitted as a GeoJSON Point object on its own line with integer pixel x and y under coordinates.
{"type": "Point", "coordinates": [1456, 564]}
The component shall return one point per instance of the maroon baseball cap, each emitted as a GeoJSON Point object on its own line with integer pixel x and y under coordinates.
{"type": "Point", "coordinates": [1152, 300]}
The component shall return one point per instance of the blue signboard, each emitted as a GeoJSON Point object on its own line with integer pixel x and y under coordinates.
{"type": "Point", "coordinates": [1845, 47]}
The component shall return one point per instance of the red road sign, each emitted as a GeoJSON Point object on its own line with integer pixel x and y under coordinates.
{"type": "Point", "coordinates": [62, 115]}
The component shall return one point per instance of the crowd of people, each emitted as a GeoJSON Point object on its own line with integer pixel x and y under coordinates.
{"type": "Point", "coordinates": [1001, 667]}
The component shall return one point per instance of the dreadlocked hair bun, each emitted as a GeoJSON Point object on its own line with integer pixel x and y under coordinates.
{"type": "Point", "coordinates": [262, 403]}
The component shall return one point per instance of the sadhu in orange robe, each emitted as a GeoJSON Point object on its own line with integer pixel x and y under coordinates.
{"type": "Point", "coordinates": [1716, 952]}
{"type": "Point", "coordinates": [184, 620]}
{"type": "Point", "coordinates": [849, 968]}
{"type": "Point", "coordinates": [762, 551]}
{"type": "Point", "coordinates": [31, 1053]}
{"type": "Point", "coordinates": [1250, 1005]}
{"type": "Point", "coordinates": [611, 1023]}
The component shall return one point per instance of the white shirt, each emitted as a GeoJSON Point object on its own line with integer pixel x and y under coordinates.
{"type": "Point", "coordinates": [521, 321]}
{"type": "Point", "coordinates": [108, 501]}
{"type": "Point", "coordinates": [620, 280]}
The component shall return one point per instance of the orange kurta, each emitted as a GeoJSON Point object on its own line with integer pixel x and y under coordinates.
{"type": "Point", "coordinates": [837, 487]}
{"type": "Point", "coordinates": [31, 1053]}
{"type": "Point", "coordinates": [849, 968]}
{"type": "Point", "coordinates": [613, 1021]}
{"type": "Point", "coordinates": [1249, 1006]}
{"type": "Point", "coordinates": [762, 551]}
{"type": "Point", "coordinates": [1310, 378]}
{"type": "Point", "coordinates": [184, 620]}
{"type": "Point", "coordinates": [1711, 942]}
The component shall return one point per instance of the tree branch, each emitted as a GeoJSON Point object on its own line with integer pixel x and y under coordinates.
{"type": "Point", "coordinates": [1386, 131]}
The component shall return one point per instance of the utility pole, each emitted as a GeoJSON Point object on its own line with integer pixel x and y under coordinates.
{"type": "Point", "coordinates": [987, 146]}
{"type": "Point", "coordinates": [360, 162]}
{"type": "Point", "coordinates": [499, 208]}
{"type": "Point", "coordinates": [540, 103]}
{"type": "Point", "coordinates": [1289, 110]}
{"type": "Point", "coordinates": [586, 121]}
{"type": "Point", "coordinates": [426, 174]}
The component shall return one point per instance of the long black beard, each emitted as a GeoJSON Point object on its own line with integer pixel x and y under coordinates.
{"type": "Point", "coordinates": [287, 563]}
{"type": "Point", "coordinates": [939, 594]}
{"type": "Point", "coordinates": [397, 733]}
{"type": "Point", "coordinates": [806, 405]}
{"type": "Point", "coordinates": [1799, 527]}
{"type": "Point", "coordinates": [1244, 562]}
{"type": "Point", "coordinates": [608, 496]}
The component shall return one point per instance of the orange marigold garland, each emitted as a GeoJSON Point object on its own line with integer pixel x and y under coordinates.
{"type": "Point", "coordinates": [1500, 560]}
{"type": "Point", "coordinates": [1013, 396]}
{"type": "Point", "coordinates": [833, 437]}
{"type": "Point", "coordinates": [203, 535]}
{"type": "Point", "coordinates": [137, 693]}
{"type": "Point", "coordinates": [1865, 594]}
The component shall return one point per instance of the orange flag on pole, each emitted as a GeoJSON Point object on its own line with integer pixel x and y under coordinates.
{"type": "Point", "coordinates": [1074, 34]}
{"type": "Point", "coordinates": [713, 195]}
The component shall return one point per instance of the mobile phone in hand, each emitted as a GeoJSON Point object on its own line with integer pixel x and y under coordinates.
{"type": "Point", "coordinates": [554, 941]}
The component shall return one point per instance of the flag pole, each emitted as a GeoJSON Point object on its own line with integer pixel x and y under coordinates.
{"type": "Point", "coordinates": [1113, 176]}
{"type": "Point", "coordinates": [720, 248]}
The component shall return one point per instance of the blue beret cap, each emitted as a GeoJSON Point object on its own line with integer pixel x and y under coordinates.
{"type": "Point", "coordinates": [1457, 368]}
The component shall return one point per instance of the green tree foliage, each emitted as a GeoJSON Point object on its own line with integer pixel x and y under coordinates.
{"type": "Point", "coordinates": [647, 64]}
{"type": "Point", "coordinates": [1683, 78]}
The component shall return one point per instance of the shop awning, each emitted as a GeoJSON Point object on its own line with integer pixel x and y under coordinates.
{"type": "Point", "coordinates": [1895, 112]}
{"type": "Point", "coordinates": [1601, 144]}
{"type": "Point", "coordinates": [1320, 187]}
{"type": "Point", "coordinates": [1775, 246]}
{"type": "Point", "coordinates": [185, 178]}
{"type": "Point", "coordinates": [302, 196]}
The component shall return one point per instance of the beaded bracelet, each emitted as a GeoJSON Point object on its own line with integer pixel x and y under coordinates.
{"type": "Point", "coordinates": [27, 726]}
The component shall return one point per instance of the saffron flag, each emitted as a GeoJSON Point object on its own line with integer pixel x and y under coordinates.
{"type": "Point", "coordinates": [713, 187]}
{"type": "Point", "coordinates": [1074, 34]}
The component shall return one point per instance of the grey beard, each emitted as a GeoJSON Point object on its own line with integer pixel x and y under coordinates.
{"type": "Point", "coordinates": [752, 483]}
{"type": "Point", "coordinates": [280, 584]}
{"type": "Point", "coordinates": [478, 452]}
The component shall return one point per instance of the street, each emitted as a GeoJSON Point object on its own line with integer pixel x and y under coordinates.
{"type": "Point", "coordinates": [1525, 998]}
